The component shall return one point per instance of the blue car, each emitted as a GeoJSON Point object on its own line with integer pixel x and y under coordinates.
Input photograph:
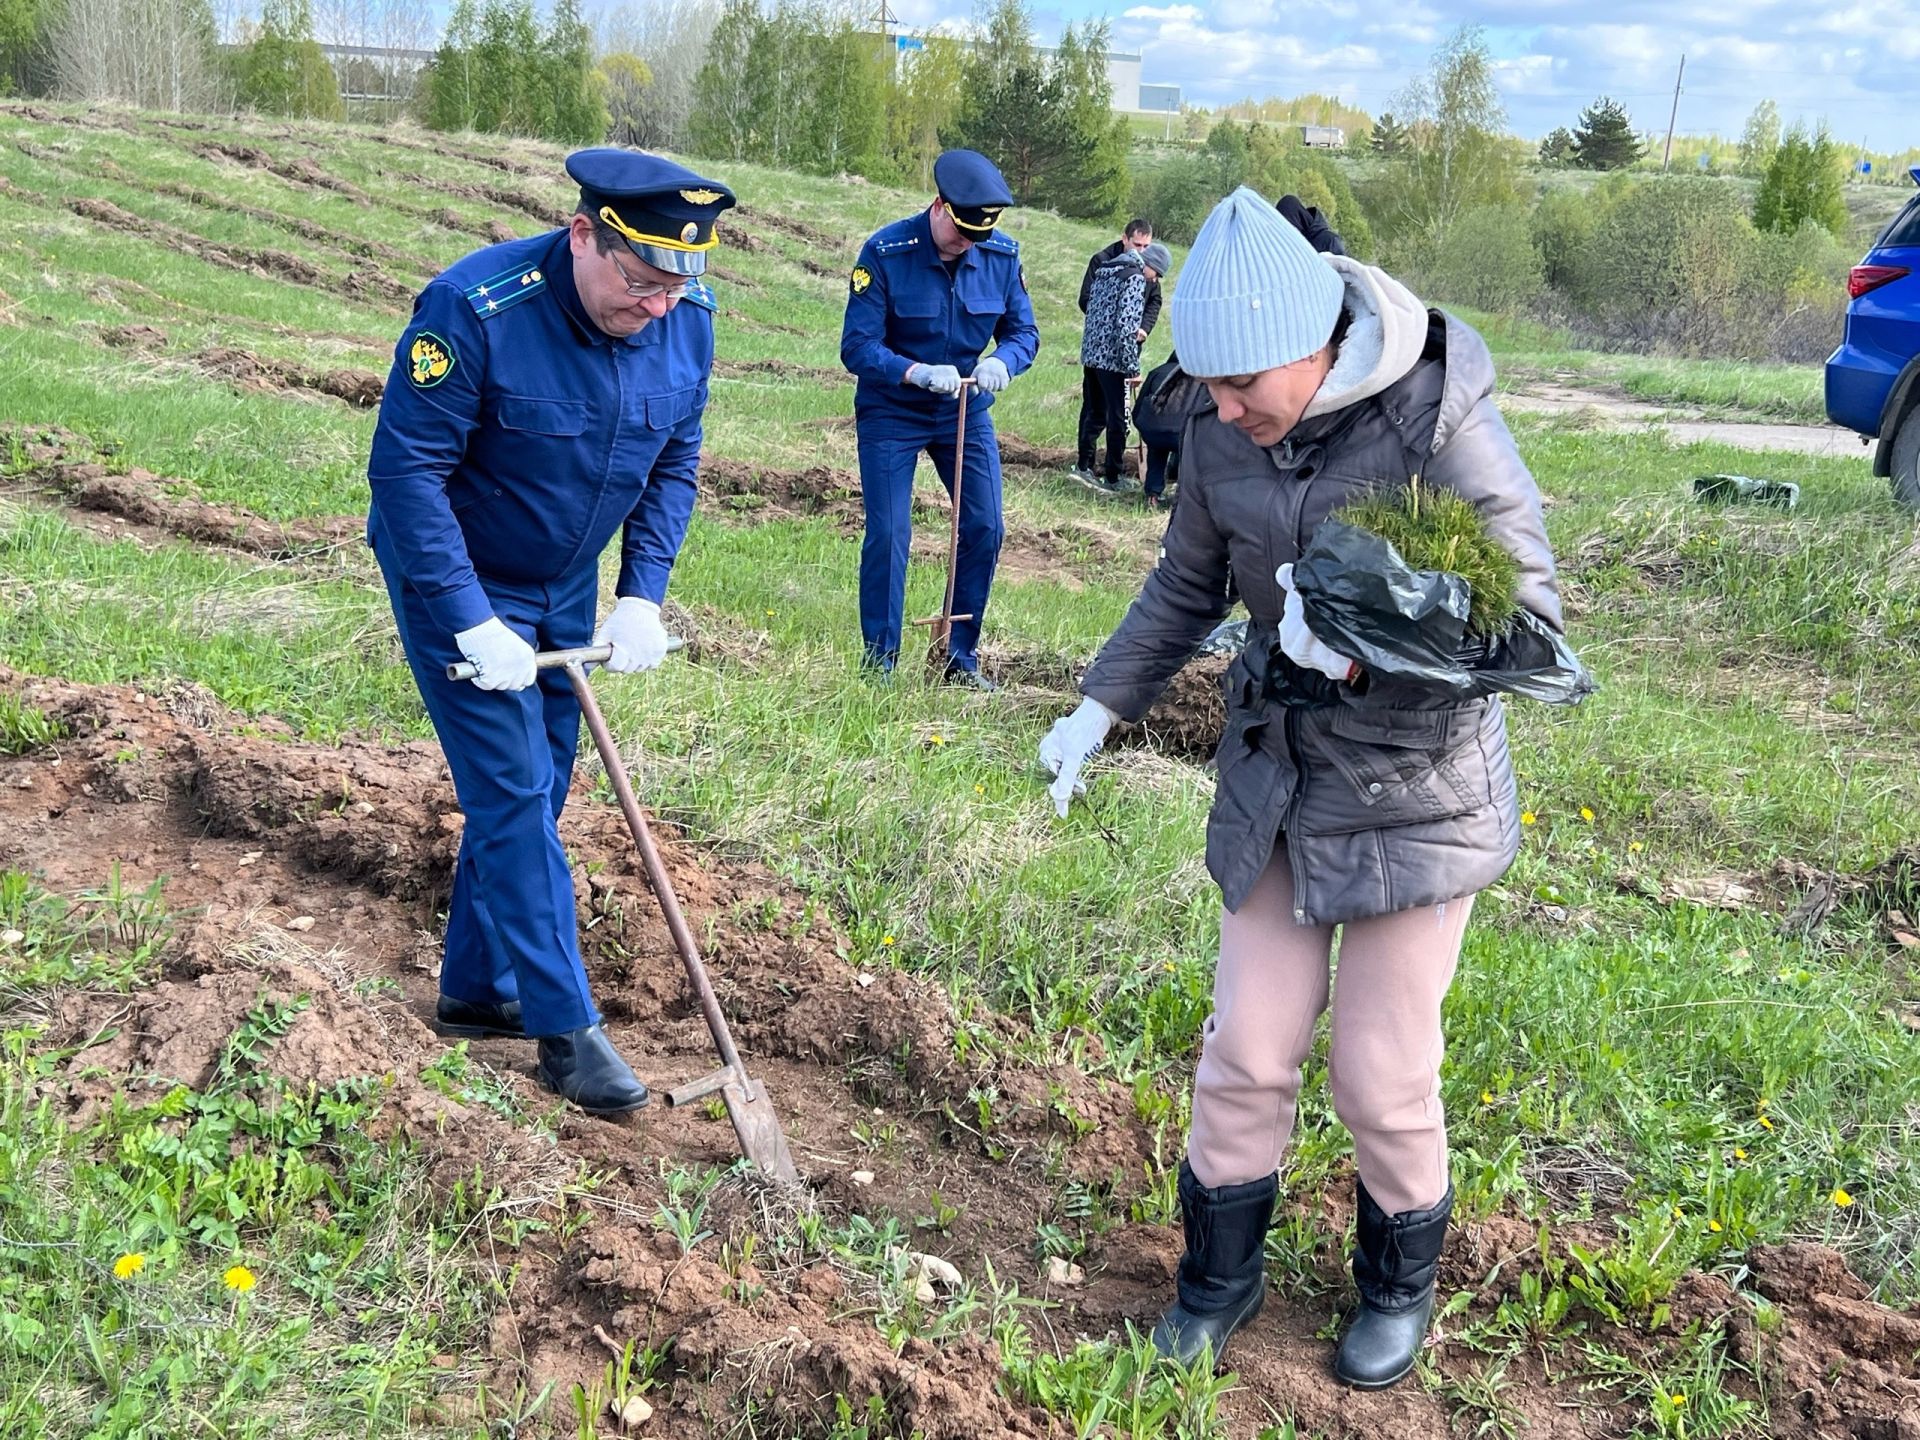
{"type": "Point", "coordinates": [1873, 379]}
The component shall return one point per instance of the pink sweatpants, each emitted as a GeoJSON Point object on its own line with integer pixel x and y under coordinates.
{"type": "Point", "coordinates": [1384, 1064]}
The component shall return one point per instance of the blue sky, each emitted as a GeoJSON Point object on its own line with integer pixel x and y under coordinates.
{"type": "Point", "coordinates": [1850, 63]}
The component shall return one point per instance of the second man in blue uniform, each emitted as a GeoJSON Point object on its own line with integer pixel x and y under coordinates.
{"type": "Point", "coordinates": [928, 295]}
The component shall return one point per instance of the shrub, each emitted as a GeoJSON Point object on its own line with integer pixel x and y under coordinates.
{"type": "Point", "coordinates": [1486, 259]}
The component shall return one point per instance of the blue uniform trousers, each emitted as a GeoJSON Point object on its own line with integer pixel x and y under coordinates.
{"type": "Point", "coordinates": [511, 929]}
{"type": "Point", "coordinates": [891, 438]}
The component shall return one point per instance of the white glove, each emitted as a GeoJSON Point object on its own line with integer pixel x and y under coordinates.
{"type": "Point", "coordinates": [940, 379]}
{"type": "Point", "coordinates": [1299, 642]}
{"type": "Point", "coordinates": [1070, 743]}
{"type": "Point", "coordinates": [991, 375]}
{"type": "Point", "coordinates": [502, 659]}
{"type": "Point", "coordinates": [634, 630]}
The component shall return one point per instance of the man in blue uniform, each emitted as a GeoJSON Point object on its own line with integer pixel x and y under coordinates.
{"type": "Point", "coordinates": [546, 394]}
{"type": "Point", "coordinates": [927, 296]}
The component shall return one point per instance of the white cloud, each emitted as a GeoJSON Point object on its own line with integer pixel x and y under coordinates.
{"type": "Point", "coordinates": [1187, 14]}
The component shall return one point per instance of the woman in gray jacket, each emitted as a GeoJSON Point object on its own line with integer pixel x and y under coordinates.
{"type": "Point", "coordinates": [1347, 800]}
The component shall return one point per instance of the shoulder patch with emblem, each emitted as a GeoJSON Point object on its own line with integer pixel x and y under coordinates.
{"type": "Point", "coordinates": [1023, 277]}
{"type": "Point", "coordinates": [504, 291]}
{"type": "Point", "coordinates": [429, 360]}
{"type": "Point", "coordinates": [701, 294]}
{"type": "Point", "coordinates": [862, 278]}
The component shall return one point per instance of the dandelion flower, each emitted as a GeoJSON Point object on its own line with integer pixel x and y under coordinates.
{"type": "Point", "coordinates": [129, 1265]}
{"type": "Point", "coordinates": [936, 739]}
{"type": "Point", "coordinates": [1634, 847]}
{"type": "Point", "coordinates": [239, 1279]}
{"type": "Point", "coordinates": [1765, 1123]}
{"type": "Point", "coordinates": [1586, 814]}
{"type": "Point", "coordinates": [1842, 1199]}
{"type": "Point", "coordinates": [1714, 1226]}
{"type": "Point", "coordinates": [1527, 817]}
{"type": "Point", "coordinates": [1738, 1153]}
{"type": "Point", "coordinates": [1676, 1401]}
{"type": "Point", "coordinates": [979, 789]}
{"type": "Point", "coordinates": [1678, 1213]}
{"type": "Point", "coordinates": [886, 939]}
{"type": "Point", "coordinates": [1486, 1097]}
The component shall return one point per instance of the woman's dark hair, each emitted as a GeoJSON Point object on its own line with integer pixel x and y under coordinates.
{"type": "Point", "coordinates": [1340, 328]}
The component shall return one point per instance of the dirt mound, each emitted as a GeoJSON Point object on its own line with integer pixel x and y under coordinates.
{"type": "Point", "coordinates": [70, 465]}
{"type": "Point", "coordinates": [826, 241]}
{"type": "Point", "coordinates": [359, 388]}
{"type": "Point", "coordinates": [818, 374]}
{"type": "Point", "coordinates": [276, 264]}
{"type": "Point", "coordinates": [754, 244]}
{"type": "Point", "coordinates": [1028, 456]}
{"type": "Point", "coordinates": [135, 337]}
{"type": "Point", "coordinates": [299, 169]}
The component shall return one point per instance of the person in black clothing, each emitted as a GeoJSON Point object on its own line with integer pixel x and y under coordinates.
{"type": "Point", "coordinates": [1162, 434]}
{"type": "Point", "coordinates": [1093, 408]}
{"type": "Point", "coordinates": [1308, 220]}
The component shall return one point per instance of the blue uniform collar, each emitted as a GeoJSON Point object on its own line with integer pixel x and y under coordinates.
{"type": "Point", "coordinates": [558, 267]}
{"type": "Point", "coordinates": [923, 226]}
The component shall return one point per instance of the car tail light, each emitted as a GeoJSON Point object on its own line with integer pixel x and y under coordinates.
{"type": "Point", "coordinates": [1863, 278]}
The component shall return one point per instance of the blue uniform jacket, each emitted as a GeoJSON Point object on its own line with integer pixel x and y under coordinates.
{"type": "Point", "coordinates": [515, 436]}
{"type": "Point", "coordinates": [904, 310]}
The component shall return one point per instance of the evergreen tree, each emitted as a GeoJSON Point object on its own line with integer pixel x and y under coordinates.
{"type": "Point", "coordinates": [1604, 138]}
{"type": "Point", "coordinates": [281, 70]}
{"type": "Point", "coordinates": [1049, 127]}
{"type": "Point", "coordinates": [1803, 182]}
{"type": "Point", "coordinates": [1557, 148]}
{"type": "Point", "coordinates": [1389, 136]}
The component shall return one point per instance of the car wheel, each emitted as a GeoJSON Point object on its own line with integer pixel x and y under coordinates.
{"type": "Point", "coordinates": [1905, 460]}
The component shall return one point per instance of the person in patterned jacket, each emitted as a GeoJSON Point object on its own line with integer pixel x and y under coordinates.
{"type": "Point", "coordinates": [1110, 344]}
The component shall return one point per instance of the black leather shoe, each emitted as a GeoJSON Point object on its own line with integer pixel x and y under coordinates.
{"type": "Point", "coordinates": [474, 1021]}
{"type": "Point", "coordinates": [1222, 1280]}
{"type": "Point", "coordinates": [583, 1067]}
{"type": "Point", "coordinates": [1395, 1261]}
{"type": "Point", "coordinates": [969, 679]}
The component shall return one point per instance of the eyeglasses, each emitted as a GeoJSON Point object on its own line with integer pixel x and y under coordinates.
{"type": "Point", "coordinates": [647, 289]}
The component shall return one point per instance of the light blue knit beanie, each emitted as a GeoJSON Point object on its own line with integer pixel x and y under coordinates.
{"type": "Point", "coordinates": [1253, 294]}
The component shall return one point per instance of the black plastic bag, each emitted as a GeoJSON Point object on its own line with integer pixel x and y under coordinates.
{"type": "Point", "coordinates": [1367, 603]}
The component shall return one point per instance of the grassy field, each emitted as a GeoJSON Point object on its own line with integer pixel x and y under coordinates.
{"type": "Point", "coordinates": [1650, 1030]}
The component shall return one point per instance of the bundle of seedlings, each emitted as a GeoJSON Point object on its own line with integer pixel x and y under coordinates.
{"type": "Point", "coordinates": [1411, 583]}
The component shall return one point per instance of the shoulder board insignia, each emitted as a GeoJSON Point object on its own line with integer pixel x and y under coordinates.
{"type": "Point", "coordinates": [701, 294]}
{"type": "Point", "coordinates": [1005, 244]}
{"type": "Point", "coordinates": [887, 247]}
{"type": "Point", "coordinates": [504, 291]}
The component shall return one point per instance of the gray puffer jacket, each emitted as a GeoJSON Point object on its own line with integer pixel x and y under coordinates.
{"type": "Point", "coordinates": [1390, 796]}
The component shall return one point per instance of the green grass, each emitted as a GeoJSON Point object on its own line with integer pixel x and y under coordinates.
{"type": "Point", "coordinates": [1761, 687]}
{"type": "Point", "coordinates": [244, 1259]}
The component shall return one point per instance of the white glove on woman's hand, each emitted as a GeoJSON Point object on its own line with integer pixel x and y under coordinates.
{"type": "Point", "coordinates": [634, 630]}
{"type": "Point", "coordinates": [500, 658]}
{"type": "Point", "coordinates": [1299, 642]}
{"type": "Point", "coordinates": [1067, 747]}
{"type": "Point", "coordinates": [991, 375]}
{"type": "Point", "coordinates": [940, 379]}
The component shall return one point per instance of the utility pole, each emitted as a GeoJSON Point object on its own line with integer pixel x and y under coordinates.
{"type": "Point", "coordinates": [1673, 115]}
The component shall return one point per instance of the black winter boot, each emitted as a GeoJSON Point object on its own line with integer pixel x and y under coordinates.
{"type": "Point", "coordinates": [1395, 1261]}
{"type": "Point", "coordinates": [583, 1067]}
{"type": "Point", "coordinates": [1222, 1281]}
{"type": "Point", "coordinates": [476, 1021]}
